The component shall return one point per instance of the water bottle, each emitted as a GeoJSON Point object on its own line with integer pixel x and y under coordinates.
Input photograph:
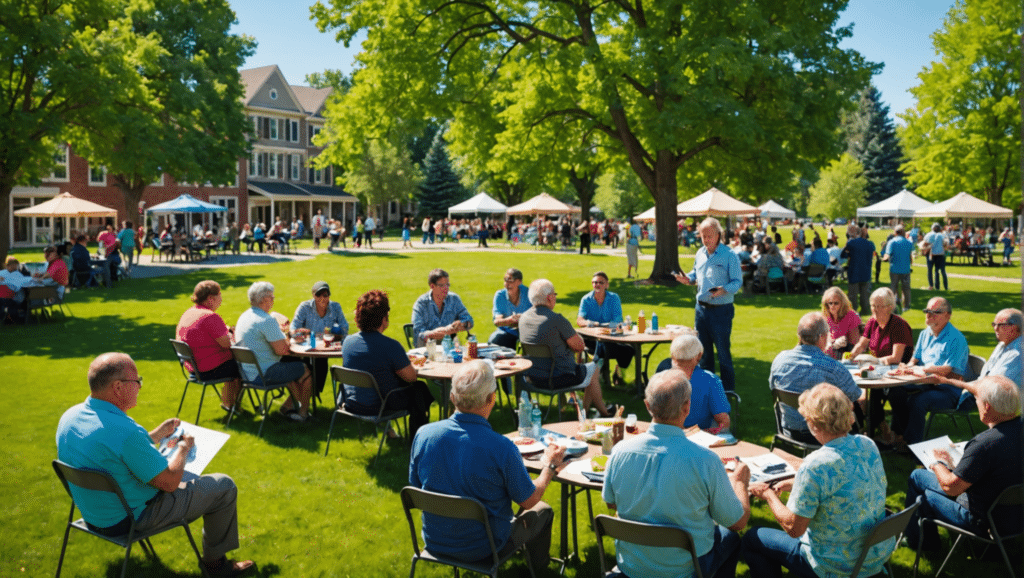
{"type": "Point", "coordinates": [535, 421]}
{"type": "Point", "coordinates": [431, 350]}
{"type": "Point", "coordinates": [446, 346]}
{"type": "Point", "coordinates": [629, 323]}
{"type": "Point", "coordinates": [312, 340]}
{"type": "Point", "coordinates": [336, 329]}
{"type": "Point", "coordinates": [525, 429]}
{"type": "Point", "coordinates": [654, 322]}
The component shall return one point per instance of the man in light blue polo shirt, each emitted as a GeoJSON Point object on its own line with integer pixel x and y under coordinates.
{"type": "Point", "coordinates": [439, 312]}
{"type": "Point", "coordinates": [941, 350]}
{"type": "Point", "coordinates": [660, 477]}
{"type": "Point", "coordinates": [509, 304]}
{"type": "Point", "coordinates": [718, 276]}
{"type": "Point", "coordinates": [98, 435]}
{"type": "Point", "coordinates": [1006, 358]}
{"type": "Point", "coordinates": [900, 254]}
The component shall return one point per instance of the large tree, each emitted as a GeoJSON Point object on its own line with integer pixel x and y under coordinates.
{"type": "Point", "coordinates": [662, 83]}
{"type": "Point", "coordinates": [840, 190]}
{"type": "Point", "coordinates": [63, 62]}
{"type": "Point", "coordinates": [187, 120]}
{"type": "Point", "coordinates": [441, 187]}
{"type": "Point", "coordinates": [386, 174]}
{"type": "Point", "coordinates": [871, 139]}
{"type": "Point", "coordinates": [965, 132]}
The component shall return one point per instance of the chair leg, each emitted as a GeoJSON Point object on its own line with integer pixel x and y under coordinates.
{"type": "Point", "coordinates": [380, 446]}
{"type": "Point", "coordinates": [199, 557]}
{"type": "Point", "coordinates": [64, 545]}
{"type": "Point", "coordinates": [265, 412]}
{"type": "Point", "coordinates": [182, 402]}
{"type": "Point", "coordinates": [948, 556]}
{"type": "Point", "coordinates": [127, 555]}
{"type": "Point", "coordinates": [330, 431]}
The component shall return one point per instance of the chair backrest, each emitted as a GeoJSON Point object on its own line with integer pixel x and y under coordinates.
{"type": "Point", "coordinates": [1011, 496]}
{"type": "Point", "coordinates": [244, 355]}
{"type": "Point", "coordinates": [410, 336]}
{"type": "Point", "coordinates": [780, 398]}
{"type": "Point", "coordinates": [538, 351]}
{"type": "Point", "coordinates": [354, 377]}
{"type": "Point", "coordinates": [89, 480]}
{"type": "Point", "coordinates": [185, 356]}
{"type": "Point", "coordinates": [815, 271]}
{"type": "Point", "coordinates": [458, 507]}
{"type": "Point", "coordinates": [775, 273]}
{"type": "Point", "coordinates": [890, 527]}
{"type": "Point", "coordinates": [653, 535]}
{"type": "Point", "coordinates": [975, 363]}
{"type": "Point", "coordinates": [44, 292]}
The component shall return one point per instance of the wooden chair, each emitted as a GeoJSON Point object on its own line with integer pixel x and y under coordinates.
{"type": "Point", "coordinates": [653, 535]}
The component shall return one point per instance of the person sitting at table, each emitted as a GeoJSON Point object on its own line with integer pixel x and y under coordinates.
{"type": "Point", "coordinates": [258, 330]}
{"type": "Point", "coordinates": [509, 304]}
{"type": "Point", "coordinates": [12, 281]}
{"type": "Point", "coordinates": [439, 312]}
{"type": "Point", "coordinates": [384, 358]}
{"type": "Point", "coordinates": [210, 340]}
{"type": "Point", "coordinates": [743, 252]}
{"type": "Point", "coordinates": [770, 259]}
{"type": "Point", "coordinates": [941, 350]}
{"type": "Point", "coordinates": [540, 325]}
{"type": "Point", "coordinates": [806, 365]}
{"type": "Point", "coordinates": [317, 315]}
{"type": "Point", "coordinates": [108, 240]}
{"type": "Point", "coordinates": [709, 408]}
{"type": "Point", "coordinates": [843, 322]}
{"type": "Point", "coordinates": [81, 265]}
{"type": "Point", "coordinates": [836, 499]}
{"type": "Point", "coordinates": [464, 456]}
{"type": "Point", "coordinates": [603, 307]}
{"type": "Point", "coordinates": [962, 493]}
{"type": "Point", "coordinates": [660, 477]}
{"type": "Point", "coordinates": [56, 271]}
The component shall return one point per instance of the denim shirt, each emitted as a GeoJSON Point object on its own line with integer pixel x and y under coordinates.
{"type": "Point", "coordinates": [721, 269]}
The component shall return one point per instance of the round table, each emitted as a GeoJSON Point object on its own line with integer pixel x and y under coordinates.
{"type": "Point", "coordinates": [441, 372]}
{"type": "Point", "coordinates": [635, 340]}
{"type": "Point", "coordinates": [869, 384]}
{"type": "Point", "coordinates": [322, 351]}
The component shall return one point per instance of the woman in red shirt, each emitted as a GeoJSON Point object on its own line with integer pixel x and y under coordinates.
{"type": "Point", "coordinates": [210, 339]}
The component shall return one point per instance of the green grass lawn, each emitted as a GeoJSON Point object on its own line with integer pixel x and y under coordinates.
{"type": "Point", "coordinates": [301, 514]}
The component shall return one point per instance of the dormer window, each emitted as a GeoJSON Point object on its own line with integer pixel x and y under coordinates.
{"type": "Point", "coordinates": [273, 94]}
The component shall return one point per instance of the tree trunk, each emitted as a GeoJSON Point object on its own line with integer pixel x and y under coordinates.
{"type": "Point", "coordinates": [585, 185]}
{"type": "Point", "coordinates": [6, 187]}
{"type": "Point", "coordinates": [131, 194]}
{"type": "Point", "coordinates": [666, 254]}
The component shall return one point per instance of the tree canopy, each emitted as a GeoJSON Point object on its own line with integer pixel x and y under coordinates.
{"type": "Point", "coordinates": [840, 190]}
{"type": "Point", "coordinates": [748, 92]}
{"type": "Point", "coordinates": [964, 134]}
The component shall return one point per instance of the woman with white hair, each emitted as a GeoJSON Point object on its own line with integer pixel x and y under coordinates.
{"type": "Point", "coordinates": [709, 408]}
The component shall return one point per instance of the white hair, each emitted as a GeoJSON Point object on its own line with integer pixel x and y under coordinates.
{"type": "Point", "coordinates": [1001, 393]}
{"type": "Point", "coordinates": [471, 385]}
{"type": "Point", "coordinates": [539, 291]}
{"type": "Point", "coordinates": [686, 347]}
{"type": "Point", "coordinates": [259, 291]}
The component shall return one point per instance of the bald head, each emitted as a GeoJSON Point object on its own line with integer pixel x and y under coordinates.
{"type": "Point", "coordinates": [666, 395]}
{"type": "Point", "coordinates": [812, 328]}
{"type": "Point", "coordinates": [107, 368]}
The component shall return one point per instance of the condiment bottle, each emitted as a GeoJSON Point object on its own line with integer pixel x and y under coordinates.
{"type": "Point", "coordinates": [641, 322]}
{"type": "Point", "coordinates": [472, 344]}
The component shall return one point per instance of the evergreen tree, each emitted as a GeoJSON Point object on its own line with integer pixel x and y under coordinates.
{"type": "Point", "coordinates": [871, 139]}
{"type": "Point", "coordinates": [441, 187]}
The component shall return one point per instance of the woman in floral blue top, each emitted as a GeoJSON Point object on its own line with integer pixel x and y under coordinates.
{"type": "Point", "coordinates": [837, 497]}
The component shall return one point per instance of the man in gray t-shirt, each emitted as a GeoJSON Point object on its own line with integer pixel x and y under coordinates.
{"type": "Point", "coordinates": [540, 325]}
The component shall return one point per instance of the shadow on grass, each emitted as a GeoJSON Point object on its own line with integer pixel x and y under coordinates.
{"type": "Point", "coordinates": [360, 254]}
{"type": "Point", "coordinates": [153, 566]}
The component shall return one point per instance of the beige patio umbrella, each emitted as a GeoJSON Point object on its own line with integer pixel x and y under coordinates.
{"type": "Point", "coordinates": [542, 204]}
{"type": "Point", "coordinates": [715, 203]}
{"type": "Point", "coordinates": [964, 206]}
{"type": "Point", "coordinates": [645, 216]}
{"type": "Point", "coordinates": [67, 206]}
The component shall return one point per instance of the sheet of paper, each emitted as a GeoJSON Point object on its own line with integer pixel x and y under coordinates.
{"type": "Point", "coordinates": [924, 450]}
{"type": "Point", "coordinates": [207, 443]}
{"type": "Point", "coordinates": [758, 464]}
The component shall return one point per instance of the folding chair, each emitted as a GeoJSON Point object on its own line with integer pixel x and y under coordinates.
{"type": "Point", "coordinates": [776, 275]}
{"type": "Point", "coordinates": [780, 398]}
{"type": "Point", "coordinates": [652, 535]}
{"type": "Point", "coordinates": [185, 356]}
{"type": "Point", "coordinates": [410, 335]}
{"type": "Point", "coordinates": [43, 299]}
{"type": "Point", "coordinates": [244, 355]}
{"type": "Point", "coordinates": [341, 376]}
{"type": "Point", "coordinates": [103, 482]}
{"type": "Point", "coordinates": [976, 363]}
{"type": "Point", "coordinates": [541, 351]}
{"type": "Point", "coordinates": [1012, 496]}
{"type": "Point", "coordinates": [890, 527]}
{"type": "Point", "coordinates": [817, 276]}
{"type": "Point", "coordinates": [458, 508]}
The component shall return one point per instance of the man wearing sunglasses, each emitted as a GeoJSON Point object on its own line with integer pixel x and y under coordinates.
{"type": "Point", "coordinates": [1006, 358]}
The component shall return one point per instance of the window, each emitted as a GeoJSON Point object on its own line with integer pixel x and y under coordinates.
{"type": "Point", "coordinates": [293, 135]}
{"type": "Point", "coordinates": [273, 94]}
{"type": "Point", "coordinates": [228, 217]}
{"type": "Point", "coordinates": [252, 164]}
{"type": "Point", "coordinates": [60, 160]}
{"type": "Point", "coordinates": [272, 166]}
{"type": "Point", "coordinates": [273, 129]}
{"type": "Point", "coordinates": [255, 126]}
{"type": "Point", "coordinates": [296, 166]}
{"type": "Point", "coordinates": [261, 160]}
{"type": "Point", "coordinates": [313, 132]}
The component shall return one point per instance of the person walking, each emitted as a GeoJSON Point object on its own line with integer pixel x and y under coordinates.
{"type": "Point", "coordinates": [937, 245]}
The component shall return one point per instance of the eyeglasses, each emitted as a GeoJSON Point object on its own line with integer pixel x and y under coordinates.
{"type": "Point", "coordinates": [934, 312]}
{"type": "Point", "coordinates": [138, 381]}
{"type": "Point", "coordinates": [998, 325]}
{"type": "Point", "coordinates": [442, 285]}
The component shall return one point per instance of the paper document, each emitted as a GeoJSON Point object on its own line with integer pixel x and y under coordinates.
{"type": "Point", "coordinates": [768, 468]}
{"type": "Point", "coordinates": [924, 450]}
{"type": "Point", "coordinates": [207, 443]}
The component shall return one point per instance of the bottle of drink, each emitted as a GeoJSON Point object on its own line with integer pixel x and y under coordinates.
{"type": "Point", "coordinates": [654, 322]}
{"type": "Point", "coordinates": [472, 344]}
{"type": "Point", "coordinates": [447, 346]}
{"type": "Point", "coordinates": [535, 421]}
{"type": "Point", "coordinates": [525, 427]}
{"type": "Point", "coordinates": [641, 322]}
{"type": "Point", "coordinates": [629, 323]}
{"type": "Point", "coordinates": [431, 350]}
{"type": "Point", "coordinates": [312, 340]}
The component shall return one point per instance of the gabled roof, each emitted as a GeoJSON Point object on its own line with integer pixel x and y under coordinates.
{"type": "Point", "coordinates": [256, 78]}
{"type": "Point", "coordinates": [311, 99]}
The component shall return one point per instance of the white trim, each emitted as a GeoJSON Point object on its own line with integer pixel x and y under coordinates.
{"type": "Point", "coordinates": [66, 163]}
{"type": "Point", "coordinates": [100, 183]}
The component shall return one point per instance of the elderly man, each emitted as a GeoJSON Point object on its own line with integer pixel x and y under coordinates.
{"type": "Point", "coordinates": [439, 312]}
{"type": "Point", "coordinates": [941, 351]}
{"type": "Point", "coordinates": [510, 303]}
{"type": "Point", "coordinates": [660, 477]}
{"type": "Point", "coordinates": [1006, 358]}
{"type": "Point", "coordinates": [540, 325]}
{"type": "Point", "coordinates": [98, 435]}
{"type": "Point", "coordinates": [859, 252]}
{"type": "Point", "coordinates": [806, 365]}
{"type": "Point", "coordinates": [464, 456]}
{"type": "Point", "coordinates": [601, 306]}
{"type": "Point", "coordinates": [899, 252]}
{"type": "Point", "coordinates": [258, 330]}
{"type": "Point", "coordinates": [709, 407]}
{"type": "Point", "coordinates": [718, 276]}
{"type": "Point", "coordinates": [962, 493]}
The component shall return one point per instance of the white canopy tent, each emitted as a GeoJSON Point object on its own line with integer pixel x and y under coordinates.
{"type": "Point", "coordinates": [902, 205]}
{"type": "Point", "coordinates": [964, 206]}
{"type": "Point", "coordinates": [773, 210]}
{"type": "Point", "coordinates": [480, 203]}
{"type": "Point", "coordinates": [714, 203]}
{"type": "Point", "coordinates": [645, 216]}
{"type": "Point", "coordinates": [66, 206]}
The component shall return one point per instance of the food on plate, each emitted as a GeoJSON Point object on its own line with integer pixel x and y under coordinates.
{"type": "Point", "coordinates": [524, 441]}
{"type": "Point", "coordinates": [598, 463]}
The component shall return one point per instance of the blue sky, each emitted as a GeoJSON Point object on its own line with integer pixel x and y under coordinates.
{"type": "Point", "coordinates": [894, 32]}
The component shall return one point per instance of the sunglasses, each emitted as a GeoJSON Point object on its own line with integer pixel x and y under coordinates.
{"type": "Point", "coordinates": [934, 312]}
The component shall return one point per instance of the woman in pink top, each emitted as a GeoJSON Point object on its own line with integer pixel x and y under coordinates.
{"type": "Point", "coordinates": [843, 322]}
{"type": "Point", "coordinates": [210, 339]}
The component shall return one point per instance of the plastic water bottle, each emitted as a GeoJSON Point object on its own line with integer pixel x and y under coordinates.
{"type": "Point", "coordinates": [336, 329]}
{"type": "Point", "coordinates": [535, 421]}
{"type": "Point", "coordinates": [654, 322]}
{"type": "Point", "coordinates": [446, 346]}
{"type": "Point", "coordinates": [312, 340]}
{"type": "Point", "coordinates": [525, 427]}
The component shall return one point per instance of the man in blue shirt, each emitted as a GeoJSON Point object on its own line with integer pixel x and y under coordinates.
{"type": "Point", "coordinates": [509, 303]}
{"type": "Point", "coordinates": [464, 456]}
{"type": "Point", "coordinates": [858, 252]}
{"type": "Point", "coordinates": [900, 254]}
{"type": "Point", "coordinates": [602, 307]}
{"type": "Point", "coordinates": [937, 244]}
{"type": "Point", "coordinates": [99, 435]}
{"type": "Point", "coordinates": [660, 477]}
{"type": "Point", "coordinates": [942, 351]}
{"type": "Point", "coordinates": [438, 312]}
{"type": "Point", "coordinates": [718, 276]}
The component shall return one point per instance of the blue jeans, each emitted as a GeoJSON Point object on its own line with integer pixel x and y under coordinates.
{"type": "Point", "coordinates": [935, 504]}
{"type": "Point", "coordinates": [767, 550]}
{"type": "Point", "coordinates": [714, 328]}
{"type": "Point", "coordinates": [720, 561]}
{"type": "Point", "coordinates": [910, 404]}
{"type": "Point", "coordinates": [938, 262]}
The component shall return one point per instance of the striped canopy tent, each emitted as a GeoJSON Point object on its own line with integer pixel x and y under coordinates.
{"type": "Point", "coordinates": [964, 206]}
{"type": "Point", "coordinates": [542, 204]}
{"type": "Point", "coordinates": [715, 203]}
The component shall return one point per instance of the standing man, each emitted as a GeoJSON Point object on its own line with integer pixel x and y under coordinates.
{"type": "Point", "coordinates": [633, 250]}
{"type": "Point", "coordinates": [370, 225]}
{"type": "Point", "coordinates": [464, 456]}
{"type": "Point", "coordinates": [98, 435]}
{"type": "Point", "coordinates": [937, 244]}
{"type": "Point", "coordinates": [899, 252]}
{"type": "Point", "coordinates": [318, 228]}
{"type": "Point", "coordinates": [858, 253]}
{"type": "Point", "coordinates": [717, 274]}
{"type": "Point", "coordinates": [127, 239]}
{"type": "Point", "coordinates": [660, 477]}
